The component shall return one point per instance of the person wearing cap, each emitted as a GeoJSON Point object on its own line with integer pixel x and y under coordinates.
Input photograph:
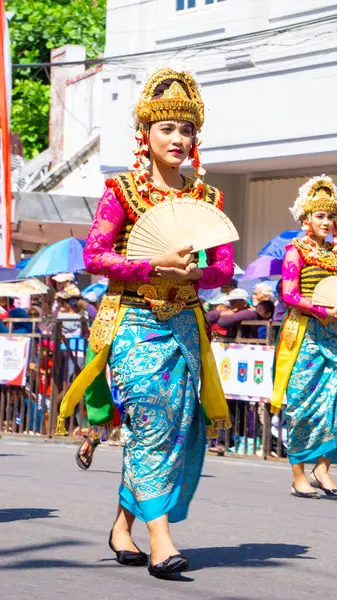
{"type": "Point", "coordinates": [239, 310]}
{"type": "Point", "coordinates": [63, 279]}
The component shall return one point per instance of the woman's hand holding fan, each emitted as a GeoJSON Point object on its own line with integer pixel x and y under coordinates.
{"type": "Point", "coordinates": [325, 294]}
{"type": "Point", "coordinates": [184, 223]}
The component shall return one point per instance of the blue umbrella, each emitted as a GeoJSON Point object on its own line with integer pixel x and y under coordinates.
{"type": "Point", "coordinates": [276, 246]}
{"type": "Point", "coordinates": [99, 288]}
{"type": "Point", "coordinates": [65, 256]}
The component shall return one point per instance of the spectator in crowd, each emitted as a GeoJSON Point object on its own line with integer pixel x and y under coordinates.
{"type": "Point", "coordinates": [23, 326]}
{"type": "Point", "coordinates": [63, 282]}
{"type": "Point", "coordinates": [280, 307]}
{"type": "Point", "coordinates": [262, 291]}
{"type": "Point", "coordinates": [89, 304]}
{"type": "Point", "coordinates": [239, 310]}
{"type": "Point", "coordinates": [69, 314]}
{"type": "Point", "coordinates": [265, 311]}
{"type": "Point", "coordinates": [208, 297]}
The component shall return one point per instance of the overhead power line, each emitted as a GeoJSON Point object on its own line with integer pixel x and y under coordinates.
{"type": "Point", "coordinates": [252, 36]}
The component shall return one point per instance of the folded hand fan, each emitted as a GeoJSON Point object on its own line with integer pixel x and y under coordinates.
{"type": "Point", "coordinates": [325, 292]}
{"type": "Point", "coordinates": [179, 222]}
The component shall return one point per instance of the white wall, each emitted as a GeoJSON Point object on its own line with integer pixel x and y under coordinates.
{"type": "Point", "coordinates": [281, 104]}
{"type": "Point", "coordinates": [83, 112]}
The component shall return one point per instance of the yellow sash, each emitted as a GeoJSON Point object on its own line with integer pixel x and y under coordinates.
{"type": "Point", "coordinates": [285, 359]}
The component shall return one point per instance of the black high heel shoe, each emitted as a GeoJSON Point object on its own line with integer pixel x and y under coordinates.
{"type": "Point", "coordinates": [127, 557]}
{"type": "Point", "coordinates": [319, 485]}
{"type": "Point", "coordinates": [172, 565]}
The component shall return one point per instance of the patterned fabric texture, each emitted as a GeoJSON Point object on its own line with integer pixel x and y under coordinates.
{"type": "Point", "coordinates": [312, 396]}
{"type": "Point", "coordinates": [155, 366]}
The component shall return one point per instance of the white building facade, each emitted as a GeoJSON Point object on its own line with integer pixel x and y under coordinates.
{"type": "Point", "coordinates": [268, 71]}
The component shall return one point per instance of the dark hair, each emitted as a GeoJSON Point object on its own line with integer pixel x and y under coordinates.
{"type": "Point", "coordinates": [268, 306]}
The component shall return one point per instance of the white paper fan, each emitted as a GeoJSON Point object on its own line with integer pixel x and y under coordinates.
{"type": "Point", "coordinates": [176, 223]}
{"type": "Point", "coordinates": [325, 292]}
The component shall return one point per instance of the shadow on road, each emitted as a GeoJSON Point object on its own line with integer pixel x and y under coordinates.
{"type": "Point", "coordinates": [245, 555]}
{"type": "Point", "coordinates": [8, 515]}
{"type": "Point", "coordinates": [46, 546]}
{"type": "Point", "coordinates": [11, 455]}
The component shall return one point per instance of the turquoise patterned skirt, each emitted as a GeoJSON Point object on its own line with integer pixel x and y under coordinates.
{"type": "Point", "coordinates": [312, 396]}
{"type": "Point", "coordinates": [156, 366]}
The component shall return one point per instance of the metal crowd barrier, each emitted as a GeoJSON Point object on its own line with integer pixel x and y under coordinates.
{"type": "Point", "coordinates": [54, 360]}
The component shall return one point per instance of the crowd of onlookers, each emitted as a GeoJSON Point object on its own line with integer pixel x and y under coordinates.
{"type": "Point", "coordinates": [64, 302]}
{"type": "Point", "coordinates": [229, 310]}
{"type": "Point", "coordinates": [230, 306]}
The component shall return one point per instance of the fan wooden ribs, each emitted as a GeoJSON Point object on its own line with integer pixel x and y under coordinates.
{"type": "Point", "coordinates": [176, 223]}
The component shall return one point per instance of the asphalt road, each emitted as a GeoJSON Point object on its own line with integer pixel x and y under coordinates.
{"type": "Point", "coordinates": [246, 537]}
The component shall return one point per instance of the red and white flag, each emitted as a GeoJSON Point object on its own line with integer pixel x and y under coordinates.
{"type": "Point", "coordinates": [5, 170]}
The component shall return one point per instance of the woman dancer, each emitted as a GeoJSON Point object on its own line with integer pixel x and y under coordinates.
{"type": "Point", "coordinates": [306, 355]}
{"type": "Point", "coordinates": [151, 329]}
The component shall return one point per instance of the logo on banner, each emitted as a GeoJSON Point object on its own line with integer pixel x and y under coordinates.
{"type": "Point", "coordinates": [258, 371]}
{"type": "Point", "coordinates": [242, 371]}
{"type": "Point", "coordinates": [225, 369]}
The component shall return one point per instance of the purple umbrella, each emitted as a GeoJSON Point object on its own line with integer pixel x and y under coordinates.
{"type": "Point", "coordinates": [262, 267]}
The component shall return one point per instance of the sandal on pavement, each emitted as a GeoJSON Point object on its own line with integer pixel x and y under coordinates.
{"type": "Point", "coordinates": [296, 492]}
{"type": "Point", "coordinates": [85, 452]}
{"type": "Point", "coordinates": [319, 485]}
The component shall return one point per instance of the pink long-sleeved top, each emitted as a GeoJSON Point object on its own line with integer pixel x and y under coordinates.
{"type": "Point", "coordinates": [291, 291]}
{"type": "Point", "coordinates": [100, 257]}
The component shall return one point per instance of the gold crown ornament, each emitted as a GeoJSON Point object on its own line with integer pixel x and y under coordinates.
{"type": "Point", "coordinates": [319, 193]}
{"type": "Point", "coordinates": [175, 104]}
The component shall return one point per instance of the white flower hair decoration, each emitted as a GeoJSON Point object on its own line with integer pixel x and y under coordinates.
{"type": "Point", "coordinates": [306, 201]}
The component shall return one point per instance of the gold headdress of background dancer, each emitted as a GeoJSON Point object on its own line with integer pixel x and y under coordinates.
{"type": "Point", "coordinates": [318, 193]}
{"type": "Point", "coordinates": [180, 100]}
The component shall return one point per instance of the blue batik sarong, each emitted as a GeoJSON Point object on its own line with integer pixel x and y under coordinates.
{"type": "Point", "coordinates": [312, 396]}
{"type": "Point", "coordinates": [156, 367]}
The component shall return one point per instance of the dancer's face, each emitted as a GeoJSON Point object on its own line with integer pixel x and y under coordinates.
{"type": "Point", "coordinates": [323, 223]}
{"type": "Point", "coordinates": [171, 141]}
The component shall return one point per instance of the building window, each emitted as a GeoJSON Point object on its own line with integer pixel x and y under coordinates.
{"type": "Point", "coordinates": [212, 1]}
{"type": "Point", "coordinates": [182, 4]}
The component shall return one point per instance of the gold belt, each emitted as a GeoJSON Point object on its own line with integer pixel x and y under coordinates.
{"type": "Point", "coordinates": [166, 298]}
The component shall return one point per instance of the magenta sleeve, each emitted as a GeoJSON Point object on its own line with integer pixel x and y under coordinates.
{"type": "Point", "coordinates": [100, 257]}
{"type": "Point", "coordinates": [291, 277]}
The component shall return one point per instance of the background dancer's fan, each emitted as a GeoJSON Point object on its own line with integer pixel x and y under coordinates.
{"type": "Point", "coordinates": [176, 223]}
{"type": "Point", "coordinates": [325, 292]}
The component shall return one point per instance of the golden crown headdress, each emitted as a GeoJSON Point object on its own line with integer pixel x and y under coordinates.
{"type": "Point", "coordinates": [175, 104]}
{"type": "Point", "coordinates": [319, 193]}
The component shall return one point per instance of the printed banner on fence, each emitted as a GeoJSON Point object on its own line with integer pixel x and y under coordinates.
{"type": "Point", "coordinates": [245, 370]}
{"type": "Point", "coordinates": [14, 354]}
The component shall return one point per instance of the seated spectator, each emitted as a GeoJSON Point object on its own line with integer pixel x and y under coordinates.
{"type": "Point", "coordinates": [262, 291]}
{"type": "Point", "coordinates": [89, 304]}
{"type": "Point", "coordinates": [265, 311]}
{"type": "Point", "coordinates": [239, 310]}
{"type": "Point", "coordinates": [69, 314]}
{"type": "Point", "coordinates": [280, 307]}
{"type": "Point", "coordinates": [20, 327]}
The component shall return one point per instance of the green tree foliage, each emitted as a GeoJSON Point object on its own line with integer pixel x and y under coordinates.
{"type": "Point", "coordinates": [35, 28]}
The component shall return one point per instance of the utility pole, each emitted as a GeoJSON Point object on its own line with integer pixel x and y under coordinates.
{"type": "Point", "coordinates": [5, 158]}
